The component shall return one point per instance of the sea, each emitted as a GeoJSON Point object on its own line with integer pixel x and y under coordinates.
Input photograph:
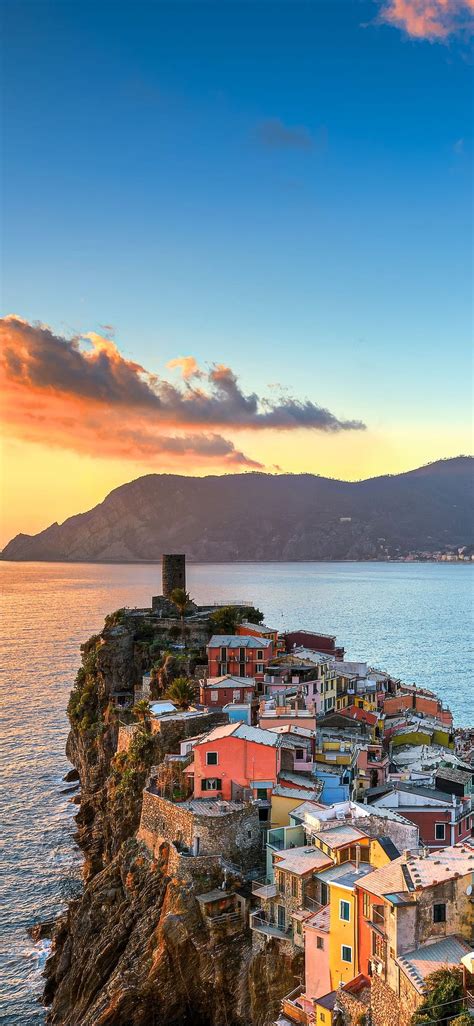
{"type": "Point", "coordinates": [414, 619]}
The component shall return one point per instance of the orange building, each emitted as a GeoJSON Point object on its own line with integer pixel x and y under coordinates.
{"type": "Point", "coordinates": [236, 761]}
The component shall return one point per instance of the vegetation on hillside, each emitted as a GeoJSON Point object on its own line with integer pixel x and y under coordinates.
{"type": "Point", "coordinates": [443, 998]}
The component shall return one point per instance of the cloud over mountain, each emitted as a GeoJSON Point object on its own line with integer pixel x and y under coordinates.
{"type": "Point", "coordinates": [81, 393]}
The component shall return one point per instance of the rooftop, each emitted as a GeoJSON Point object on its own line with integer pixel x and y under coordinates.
{"type": "Point", "coordinates": [327, 1000]}
{"type": "Point", "coordinates": [229, 681]}
{"type": "Point", "coordinates": [302, 860]}
{"type": "Point", "coordinates": [418, 964]}
{"type": "Point", "coordinates": [337, 873]}
{"type": "Point", "coordinates": [246, 733]}
{"type": "Point", "coordinates": [321, 919]}
{"type": "Point", "coordinates": [457, 776]}
{"type": "Point", "coordinates": [237, 641]}
{"type": "Point", "coordinates": [159, 708]}
{"type": "Point", "coordinates": [295, 792]}
{"type": "Point", "coordinates": [362, 715]}
{"type": "Point", "coordinates": [211, 806]}
{"type": "Point", "coordinates": [353, 874]}
{"type": "Point", "coordinates": [295, 729]}
{"type": "Point", "coordinates": [413, 871]}
{"type": "Point", "coordinates": [338, 836]}
{"type": "Point", "coordinates": [258, 627]}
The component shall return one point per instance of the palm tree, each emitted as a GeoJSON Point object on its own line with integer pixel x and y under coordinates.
{"type": "Point", "coordinates": [182, 692]}
{"type": "Point", "coordinates": [181, 599]}
{"type": "Point", "coordinates": [142, 712]}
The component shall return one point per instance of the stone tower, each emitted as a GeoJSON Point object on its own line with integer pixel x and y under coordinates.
{"type": "Point", "coordinates": [173, 572]}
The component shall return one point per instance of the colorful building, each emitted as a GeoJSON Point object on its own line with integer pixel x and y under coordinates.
{"type": "Point", "coordinates": [238, 655]}
{"type": "Point", "coordinates": [236, 761]}
{"type": "Point", "coordinates": [216, 692]}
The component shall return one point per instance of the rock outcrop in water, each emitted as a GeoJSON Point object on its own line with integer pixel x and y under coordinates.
{"type": "Point", "coordinates": [135, 949]}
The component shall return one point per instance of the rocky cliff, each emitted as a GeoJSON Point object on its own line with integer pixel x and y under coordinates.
{"type": "Point", "coordinates": [266, 517]}
{"type": "Point", "coordinates": [135, 949]}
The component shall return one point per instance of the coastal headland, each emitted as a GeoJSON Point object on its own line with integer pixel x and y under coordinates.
{"type": "Point", "coordinates": [272, 832]}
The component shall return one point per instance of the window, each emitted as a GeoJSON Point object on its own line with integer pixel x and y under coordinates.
{"type": "Point", "coordinates": [223, 655]}
{"type": "Point", "coordinates": [439, 913]}
{"type": "Point", "coordinates": [211, 784]}
{"type": "Point", "coordinates": [242, 670]}
{"type": "Point", "coordinates": [345, 911]}
{"type": "Point", "coordinates": [324, 893]}
{"type": "Point", "coordinates": [294, 886]}
{"type": "Point", "coordinates": [460, 827]}
{"type": "Point", "coordinates": [242, 655]}
{"type": "Point", "coordinates": [299, 928]}
{"type": "Point", "coordinates": [346, 953]}
{"type": "Point", "coordinates": [214, 696]}
{"type": "Point", "coordinates": [211, 759]}
{"type": "Point", "coordinates": [299, 753]}
{"type": "Point", "coordinates": [236, 695]}
{"type": "Point", "coordinates": [262, 794]}
{"type": "Point", "coordinates": [366, 905]}
{"type": "Point", "coordinates": [440, 831]}
{"type": "Point", "coordinates": [320, 943]}
{"type": "Point", "coordinates": [259, 668]}
{"type": "Point", "coordinates": [259, 655]}
{"type": "Point", "coordinates": [322, 1016]}
{"type": "Point", "coordinates": [263, 815]}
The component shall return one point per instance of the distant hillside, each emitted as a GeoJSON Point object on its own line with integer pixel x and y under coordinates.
{"type": "Point", "coordinates": [265, 517]}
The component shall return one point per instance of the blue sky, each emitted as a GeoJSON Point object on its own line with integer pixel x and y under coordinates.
{"type": "Point", "coordinates": [281, 187]}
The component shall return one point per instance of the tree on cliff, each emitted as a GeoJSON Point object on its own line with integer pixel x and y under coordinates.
{"type": "Point", "coordinates": [142, 712]}
{"type": "Point", "coordinates": [226, 619]}
{"type": "Point", "coordinates": [168, 667]}
{"type": "Point", "coordinates": [182, 692]}
{"type": "Point", "coordinates": [181, 599]}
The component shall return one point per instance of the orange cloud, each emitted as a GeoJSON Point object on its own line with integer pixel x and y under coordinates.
{"type": "Point", "coordinates": [429, 19]}
{"type": "Point", "coordinates": [81, 394]}
{"type": "Point", "coordinates": [187, 365]}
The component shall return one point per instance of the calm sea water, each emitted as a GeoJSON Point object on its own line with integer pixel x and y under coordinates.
{"type": "Point", "coordinates": [413, 619]}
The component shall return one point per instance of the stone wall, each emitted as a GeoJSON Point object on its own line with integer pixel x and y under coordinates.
{"type": "Point", "coordinates": [125, 734]}
{"type": "Point", "coordinates": [171, 730]}
{"type": "Point", "coordinates": [235, 835]}
{"type": "Point", "coordinates": [404, 835]}
{"type": "Point", "coordinates": [352, 1007]}
{"type": "Point", "coordinates": [385, 1005]}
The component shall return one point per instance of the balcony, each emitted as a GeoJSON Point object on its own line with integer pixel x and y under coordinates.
{"type": "Point", "coordinates": [377, 917]}
{"type": "Point", "coordinates": [260, 924]}
{"type": "Point", "coordinates": [294, 1011]}
{"type": "Point", "coordinates": [263, 890]}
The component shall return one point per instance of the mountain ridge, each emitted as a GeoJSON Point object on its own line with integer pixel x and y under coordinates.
{"type": "Point", "coordinates": [258, 516]}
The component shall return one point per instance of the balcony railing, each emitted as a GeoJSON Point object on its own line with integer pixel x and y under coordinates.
{"type": "Point", "coordinates": [294, 1011]}
{"type": "Point", "coordinates": [377, 917]}
{"type": "Point", "coordinates": [310, 904]}
{"type": "Point", "coordinates": [260, 924]}
{"type": "Point", "coordinates": [264, 891]}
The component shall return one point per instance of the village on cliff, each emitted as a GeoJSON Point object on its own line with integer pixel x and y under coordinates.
{"type": "Point", "coordinates": [332, 803]}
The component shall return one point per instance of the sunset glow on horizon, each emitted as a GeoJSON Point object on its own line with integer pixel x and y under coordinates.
{"type": "Point", "coordinates": [250, 250]}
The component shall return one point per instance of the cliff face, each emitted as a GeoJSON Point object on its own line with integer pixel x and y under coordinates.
{"type": "Point", "coordinates": [266, 517]}
{"type": "Point", "coordinates": [135, 948]}
{"type": "Point", "coordinates": [135, 951]}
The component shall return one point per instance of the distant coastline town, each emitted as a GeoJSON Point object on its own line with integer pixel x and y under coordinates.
{"type": "Point", "coordinates": [317, 812]}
